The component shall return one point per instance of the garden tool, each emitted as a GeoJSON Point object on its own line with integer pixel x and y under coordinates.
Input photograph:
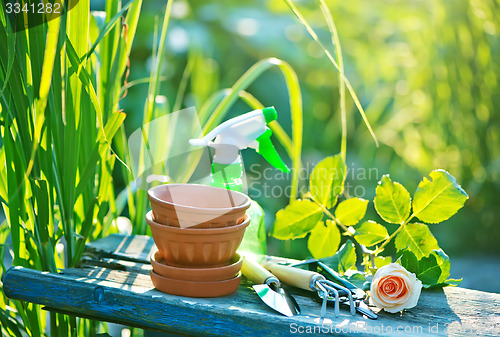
{"type": "Point", "coordinates": [358, 294]}
{"type": "Point", "coordinates": [312, 281]}
{"type": "Point", "coordinates": [268, 288]}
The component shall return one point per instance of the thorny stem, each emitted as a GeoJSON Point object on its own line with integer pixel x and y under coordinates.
{"type": "Point", "coordinates": [370, 253]}
{"type": "Point", "coordinates": [327, 212]}
{"type": "Point", "coordinates": [381, 248]}
{"type": "Point", "coordinates": [365, 250]}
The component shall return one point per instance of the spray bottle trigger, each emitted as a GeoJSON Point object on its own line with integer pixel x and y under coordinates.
{"type": "Point", "coordinates": [266, 149]}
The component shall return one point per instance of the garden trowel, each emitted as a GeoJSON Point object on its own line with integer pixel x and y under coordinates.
{"type": "Point", "coordinates": [268, 287]}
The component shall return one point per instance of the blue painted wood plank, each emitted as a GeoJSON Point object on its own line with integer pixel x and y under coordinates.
{"type": "Point", "coordinates": [454, 311]}
{"type": "Point", "coordinates": [135, 248]}
{"type": "Point", "coordinates": [113, 285]}
{"type": "Point", "coordinates": [238, 314]}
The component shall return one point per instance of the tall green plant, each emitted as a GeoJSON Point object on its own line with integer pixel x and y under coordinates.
{"type": "Point", "coordinates": [61, 85]}
{"type": "Point", "coordinates": [319, 214]}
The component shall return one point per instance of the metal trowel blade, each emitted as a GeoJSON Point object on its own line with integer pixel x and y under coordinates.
{"type": "Point", "coordinates": [278, 301]}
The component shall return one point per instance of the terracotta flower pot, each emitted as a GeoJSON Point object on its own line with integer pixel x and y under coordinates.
{"type": "Point", "coordinates": [206, 274]}
{"type": "Point", "coordinates": [198, 206]}
{"type": "Point", "coordinates": [197, 246]}
{"type": "Point", "coordinates": [193, 288]}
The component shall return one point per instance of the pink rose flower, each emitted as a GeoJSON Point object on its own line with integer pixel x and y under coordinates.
{"type": "Point", "coordinates": [394, 288]}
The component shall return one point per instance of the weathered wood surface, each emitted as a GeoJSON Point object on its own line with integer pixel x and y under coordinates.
{"type": "Point", "coordinates": [112, 283]}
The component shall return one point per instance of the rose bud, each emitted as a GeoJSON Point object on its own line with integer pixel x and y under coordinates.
{"type": "Point", "coordinates": [394, 288]}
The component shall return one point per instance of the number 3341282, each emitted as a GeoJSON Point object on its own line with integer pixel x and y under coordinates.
{"type": "Point", "coordinates": [39, 8]}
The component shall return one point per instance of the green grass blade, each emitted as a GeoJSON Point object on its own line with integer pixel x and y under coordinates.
{"type": "Point", "coordinates": [211, 103]}
{"type": "Point", "coordinates": [155, 71]}
{"type": "Point", "coordinates": [86, 81]}
{"type": "Point", "coordinates": [108, 26]}
{"type": "Point", "coordinates": [338, 51]}
{"type": "Point", "coordinates": [183, 84]}
{"type": "Point", "coordinates": [11, 50]}
{"type": "Point", "coordinates": [10, 325]}
{"type": "Point", "coordinates": [88, 171]}
{"type": "Point", "coordinates": [48, 62]}
{"type": "Point", "coordinates": [138, 81]}
{"type": "Point", "coordinates": [131, 22]}
{"type": "Point", "coordinates": [332, 60]}
{"type": "Point", "coordinates": [86, 228]}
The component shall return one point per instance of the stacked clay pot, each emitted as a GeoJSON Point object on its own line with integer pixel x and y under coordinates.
{"type": "Point", "coordinates": [197, 230]}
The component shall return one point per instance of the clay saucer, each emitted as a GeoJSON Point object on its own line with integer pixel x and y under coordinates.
{"type": "Point", "coordinates": [197, 206]}
{"type": "Point", "coordinates": [193, 288]}
{"type": "Point", "coordinates": [226, 272]}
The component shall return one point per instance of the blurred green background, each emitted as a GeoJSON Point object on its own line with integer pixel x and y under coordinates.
{"type": "Point", "coordinates": [426, 71]}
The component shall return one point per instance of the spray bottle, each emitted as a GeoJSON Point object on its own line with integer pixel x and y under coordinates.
{"type": "Point", "coordinates": [232, 136]}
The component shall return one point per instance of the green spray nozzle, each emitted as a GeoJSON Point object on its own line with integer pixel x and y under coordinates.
{"type": "Point", "coordinates": [266, 149]}
{"type": "Point", "coordinates": [270, 114]}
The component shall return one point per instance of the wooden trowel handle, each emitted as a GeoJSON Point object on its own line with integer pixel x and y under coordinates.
{"type": "Point", "coordinates": [296, 277]}
{"type": "Point", "coordinates": [256, 273]}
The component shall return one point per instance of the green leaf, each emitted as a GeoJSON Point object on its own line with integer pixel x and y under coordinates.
{"type": "Point", "coordinates": [449, 282]}
{"type": "Point", "coordinates": [370, 233]}
{"type": "Point", "coordinates": [417, 238]}
{"type": "Point", "coordinates": [433, 270]}
{"type": "Point", "coordinates": [429, 271]}
{"type": "Point", "coordinates": [444, 263]}
{"type": "Point", "coordinates": [296, 220]}
{"type": "Point", "coordinates": [438, 198]}
{"type": "Point", "coordinates": [350, 211]}
{"type": "Point", "coordinates": [324, 239]}
{"type": "Point", "coordinates": [381, 261]}
{"type": "Point", "coordinates": [392, 201]}
{"type": "Point", "coordinates": [409, 261]}
{"type": "Point", "coordinates": [344, 259]}
{"type": "Point", "coordinates": [327, 180]}
{"type": "Point", "coordinates": [357, 278]}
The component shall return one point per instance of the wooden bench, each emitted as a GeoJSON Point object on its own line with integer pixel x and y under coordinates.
{"type": "Point", "coordinates": [112, 284]}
